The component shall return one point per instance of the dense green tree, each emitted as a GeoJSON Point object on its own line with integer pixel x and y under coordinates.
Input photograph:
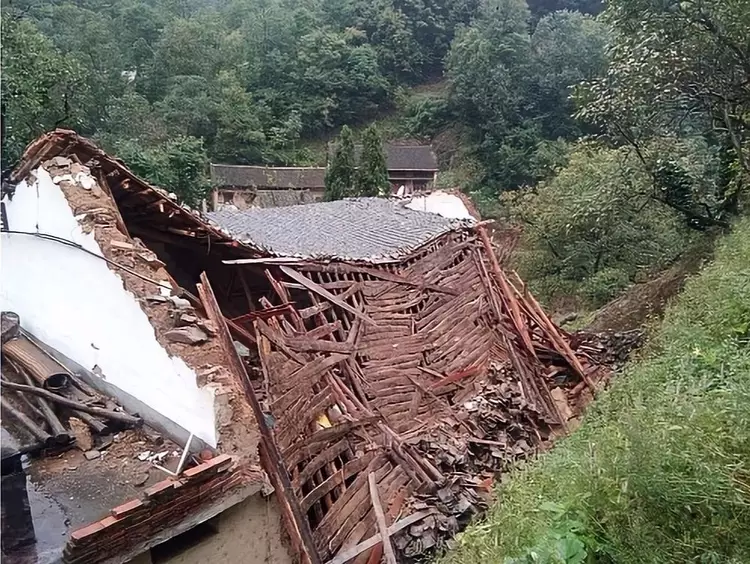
{"type": "Point", "coordinates": [42, 88]}
{"type": "Point", "coordinates": [179, 165]}
{"type": "Point", "coordinates": [342, 168]}
{"type": "Point", "coordinates": [568, 48]}
{"type": "Point", "coordinates": [590, 230]}
{"type": "Point", "coordinates": [540, 8]}
{"type": "Point", "coordinates": [678, 68]}
{"type": "Point", "coordinates": [512, 88]}
{"type": "Point", "coordinates": [371, 178]}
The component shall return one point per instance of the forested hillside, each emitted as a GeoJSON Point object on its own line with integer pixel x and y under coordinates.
{"type": "Point", "coordinates": [615, 137]}
{"type": "Point", "coordinates": [169, 82]}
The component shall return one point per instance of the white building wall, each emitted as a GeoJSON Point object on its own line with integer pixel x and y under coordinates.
{"type": "Point", "coordinates": [75, 303]}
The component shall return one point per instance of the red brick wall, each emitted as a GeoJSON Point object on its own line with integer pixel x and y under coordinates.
{"type": "Point", "coordinates": [163, 505]}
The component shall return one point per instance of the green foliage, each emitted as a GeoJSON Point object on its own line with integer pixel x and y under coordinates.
{"type": "Point", "coordinates": [250, 78]}
{"type": "Point", "coordinates": [342, 168]}
{"type": "Point", "coordinates": [677, 68]}
{"type": "Point", "coordinates": [179, 166]}
{"type": "Point", "coordinates": [540, 8]}
{"type": "Point", "coordinates": [658, 471]}
{"type": "Point", "coordinates": [427, 116]}
{"type": "Point", "coordinates": [568, 48]}
{"type": "Point", "coordinates": [42, 88]}
{"type": "Point", "coordinates": [592, 229]}
{"type": "Point", "coordinates": [512, 88]}
{"type": "Point", "coordinates": [371, 178]}
{"type": "Point", "coordinates": [567, 541]}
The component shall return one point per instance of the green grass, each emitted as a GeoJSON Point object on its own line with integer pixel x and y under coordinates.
{"type": "Point", "coordinates": [659, 472]}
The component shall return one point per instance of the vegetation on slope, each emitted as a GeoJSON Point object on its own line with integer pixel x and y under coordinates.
{"type": "Point", "coordinates": [250, 82]}
{"type": "Point", "coordinates": [659, 471]}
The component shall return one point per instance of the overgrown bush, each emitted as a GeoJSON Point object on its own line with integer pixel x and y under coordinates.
{"type": "Point", "coordinates": [594, 227]}
{"type": "Point", "coordinates": [659, 471]}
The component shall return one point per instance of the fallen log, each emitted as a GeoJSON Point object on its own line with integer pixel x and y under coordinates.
{"type": "Point", "coordinates": [60, 433]}
{"type": "Point", "coordinates": [27, 423]}
{"type": "Point", "coordinates": [107, 414]}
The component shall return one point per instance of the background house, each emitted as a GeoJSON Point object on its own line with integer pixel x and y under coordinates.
{"type": "Point", "coordinates": [412, 166]}
{"type": "Point", "coordinates": [264, 186]}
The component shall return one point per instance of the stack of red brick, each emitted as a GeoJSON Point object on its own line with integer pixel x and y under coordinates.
{"type": "Point", "coordinates": [163, 505]}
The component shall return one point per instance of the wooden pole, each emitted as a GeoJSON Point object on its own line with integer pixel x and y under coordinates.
{"type": "Point", "coordinates": [297, 524]}
{"type": "Point", "coordinates": [107, 414]}
{"type": "Point", "coordinates": [390, 556]}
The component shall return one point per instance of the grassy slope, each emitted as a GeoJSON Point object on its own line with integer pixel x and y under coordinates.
{"type": "Point", "coordinates": [660, 469]}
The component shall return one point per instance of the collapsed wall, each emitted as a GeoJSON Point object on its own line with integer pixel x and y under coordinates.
{"type": "Point", "coordinates": [106, 302]}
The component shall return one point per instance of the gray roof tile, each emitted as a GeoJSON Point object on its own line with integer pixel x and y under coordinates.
{"type": "Point", "coordinates": [355, 229]}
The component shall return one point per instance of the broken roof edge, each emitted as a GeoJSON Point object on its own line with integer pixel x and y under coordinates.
{"type": "Point", "coordinates": [66, 142]}
{"type": "Point", "coordinates": [283, 259]}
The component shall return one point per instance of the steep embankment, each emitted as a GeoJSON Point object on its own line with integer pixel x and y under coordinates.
{"type": "Point", "coordinates": [660, 469]}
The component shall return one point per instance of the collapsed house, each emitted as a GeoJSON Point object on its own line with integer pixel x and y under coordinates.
{"type": "Point", "coordinates": [391, 365]}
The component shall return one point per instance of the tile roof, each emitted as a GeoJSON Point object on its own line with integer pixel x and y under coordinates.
{"type": "Point", "coordinates": [356, 229]}
{"type": "Point", "coordinates": [410, 157]}
{"type": "Point", "coordinates": [280, 198]}
{"type": "Point", "coordinates": [401, 157]}
{"type": "Point", "coordinates": [267, 176]}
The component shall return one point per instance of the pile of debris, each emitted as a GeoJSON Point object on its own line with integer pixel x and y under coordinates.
{"type": "Point", "coordinates": [490, 432]}
{"type": "Point", "coordinates": [52, 408]}
{"type": "Point", "coordinates": [610, 348]}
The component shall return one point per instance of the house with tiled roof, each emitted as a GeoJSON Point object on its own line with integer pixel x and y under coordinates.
{"type": "Point", "coordinates": [243, 187]}
{"type": "Point", "coordinates": [411, 169]}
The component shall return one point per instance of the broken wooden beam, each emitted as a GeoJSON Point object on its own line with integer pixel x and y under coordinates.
{"type": "Point", "coordinates": [26, 422]}
{"type": "Point", "coordinates": [60, 433]}
{"type": "Point", "coordinates": [346, 555]}
{"type": "Point", "coordinates": [101, 412]}
{"type": "Point", "coordinates": [297, 525]}
{"type": "Point", "coordinates": [390, 556]}
{"type": "Point", "coordinates": [322, 292]}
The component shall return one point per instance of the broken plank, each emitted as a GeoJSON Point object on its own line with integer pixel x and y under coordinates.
{"type": "Point", "coordinates": [322, 292]}
{"type": "Point", "coordinates": [346, 556]}
{"type": "Point", "coordinates": [390, 556]}
{"type": "Point", "coordinates": [321, 460]}
{"type": "Point", "coordinates": [298, 526]}
{"type": "Point", "coordinates": [307, 344]}
{"type": "Point", "coordinates": [347, 471]}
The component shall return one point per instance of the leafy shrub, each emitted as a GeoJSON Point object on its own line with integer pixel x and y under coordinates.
{"type": "Point", "coordinates": [592, 228]}
{"type": "Point", "coordinates": [604, 285]}
{"type": "Point", "coordinates": [426, 116]}
{"type": "Point", "coordinates": [180, 165]}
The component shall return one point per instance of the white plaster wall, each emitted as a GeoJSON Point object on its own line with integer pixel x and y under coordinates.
{"type": "Point", "coordinates": [441, 203]}
{"type": "Point", "coordinates": [75, 303]}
